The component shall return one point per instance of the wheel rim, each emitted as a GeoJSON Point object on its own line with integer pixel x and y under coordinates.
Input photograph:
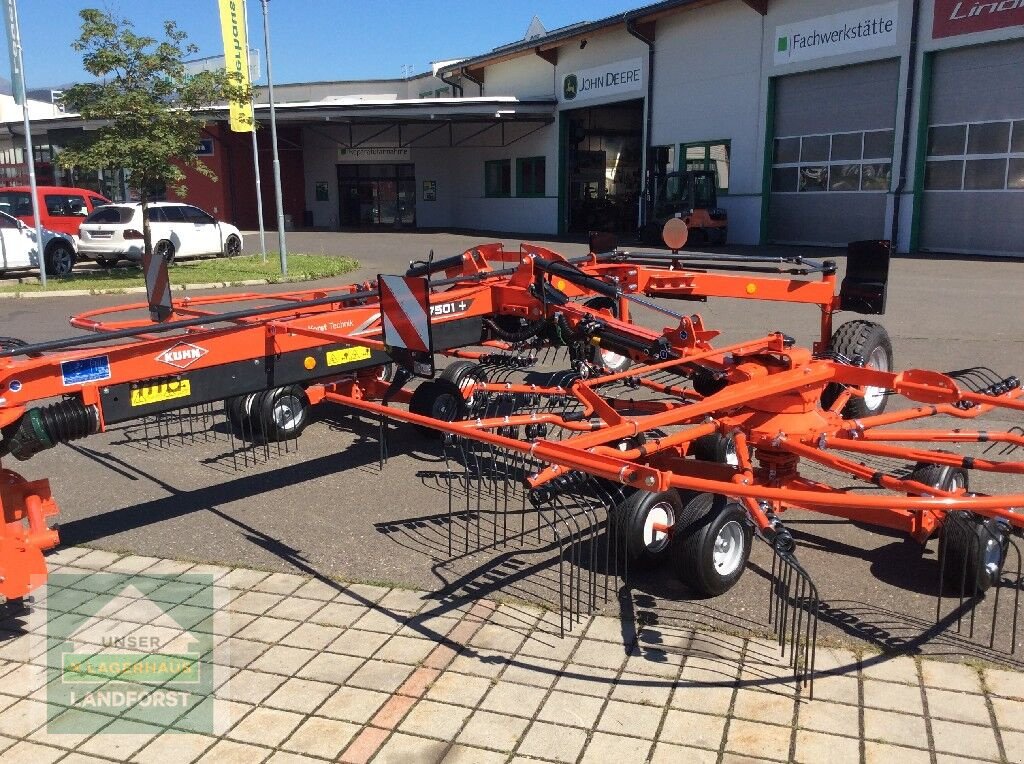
{"type": "Point", "coordinates": [993, 557]}
{"type": "Point", "coordinates": [655, 540]}
{"type": "Point", "coordinates": [445, 407]}
{"type": "Point", "coordinates": [611, 360]}
{"type": "Point", "coordinates": [234, 246]}
{"type": "Point", "coordinates": [164, 250]}
{"type": "Point", "coordinates": [875, 396]}
{"type": "Point", "coordinates": [62, 260]}
{"type": "Point", "coordinates": [288, 413]}
{"type": "Point", "coordinates": [731, 457]}
{"type": "Point", "coordinates": [728, 550]}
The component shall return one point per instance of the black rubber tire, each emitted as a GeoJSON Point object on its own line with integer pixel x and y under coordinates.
{"type": "Point", "coordinates": [240, 413]}
{"type": "Point", "coordinates": [291, 398]}
{"type": "Point", "coordinates": [60, 258]}
{"type": "Point", "coordinates": [438, 399]}
{"type": "Point", "coordinates": [963, 536]}
{"type": "Point", "coordinates": [232, 246]}
{"type": "Point", "coordinates": [697, 528]}
{"type": "Point", "coordinates": [851, 340]}
{"type": "Point", "coordinates": [715, 448]}
{"type": "Point", "coordinates": [594, 356]}
{"type": "Point", "coordinates": [630, 519]}
{"type": "Point", "coordinates": [461, 373]}
{"type": "Point", "coordinates": [165, 249]}
{"type": "Point", "coordinates": [386, 372]}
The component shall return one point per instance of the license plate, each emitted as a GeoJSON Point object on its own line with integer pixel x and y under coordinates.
{"type": "Point", "coordinates": [347, 355]}
{"type": "Point", "coordinates": [169, 390]}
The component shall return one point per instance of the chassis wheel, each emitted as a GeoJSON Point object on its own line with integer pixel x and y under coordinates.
{"type": "Point", "coordinates": [284, 413]}
{"type": "Point", "coordinates": [869, 341]}
{"type": "Point", "coordinates": [636, 519]}
{"type": "Point", "coordinates": [60, 259]}
{"type": "Point", "coordinates": [971, 548]}
{"type": "Point", "coordinates": [602, 357]}
{"type": "Point", "coordinates": [439, 399]}
{"type": "Point", "coordinates": [462, 374]}
{"type": "Point", "coordinates": [711, 543]}
{"type": "Point", "coordinates": [716, 448]}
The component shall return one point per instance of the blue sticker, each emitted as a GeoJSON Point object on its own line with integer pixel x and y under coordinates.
{"type": "Point", "coordinates": [84, 370]}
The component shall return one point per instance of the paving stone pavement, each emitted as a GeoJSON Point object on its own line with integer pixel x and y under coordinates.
{"type": "Point", "coordinates": [307, 670]}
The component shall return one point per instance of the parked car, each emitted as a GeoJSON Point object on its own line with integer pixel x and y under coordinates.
{"type": "Point", "coordinates": [61, 208]}
{"type": "Point", "coordinates": [114, 232]}
{"type": "Point", "coordinates": [18, 248]}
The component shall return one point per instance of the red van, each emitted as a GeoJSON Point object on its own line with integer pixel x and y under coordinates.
{"type": "Point", "coordinates": [61, 208]}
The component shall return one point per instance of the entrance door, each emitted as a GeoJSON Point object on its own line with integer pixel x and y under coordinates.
{"type": "Point", "coordinates": [603, 158]}
{"type": "Point", "coordinates": [377, 195]}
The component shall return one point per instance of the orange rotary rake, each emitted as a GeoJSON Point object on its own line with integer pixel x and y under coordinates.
{"type": "Point", "coordinates": [645, 445]}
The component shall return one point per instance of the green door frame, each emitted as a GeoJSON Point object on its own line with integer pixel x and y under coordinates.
{"type": "Point", "coordinates": [923, 118]}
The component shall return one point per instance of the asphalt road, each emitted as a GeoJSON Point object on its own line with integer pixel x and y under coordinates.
{"type": "Point", "coordinates": [328, 509]}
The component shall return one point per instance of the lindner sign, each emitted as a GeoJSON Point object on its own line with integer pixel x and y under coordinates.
{"type": "Point", "coordinates": [611, 79]}
{"type": "Point", "coordinates": [954, 17]}
{"type": "Point", "coordinates": [847, 32]}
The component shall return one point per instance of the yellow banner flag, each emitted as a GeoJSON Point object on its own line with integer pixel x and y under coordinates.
{"type": "Point", "coordinates": [236, 61]}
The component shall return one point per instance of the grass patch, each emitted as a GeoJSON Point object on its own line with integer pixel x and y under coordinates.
{"type": "Point", "coordinates": [218, 271]}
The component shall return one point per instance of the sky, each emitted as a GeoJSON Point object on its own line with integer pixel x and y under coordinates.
{"type": "Point", "coordinates": [310, 39]}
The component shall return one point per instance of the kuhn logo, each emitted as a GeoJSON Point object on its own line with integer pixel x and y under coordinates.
{"type": "Point", "coordinates": [182, 355]}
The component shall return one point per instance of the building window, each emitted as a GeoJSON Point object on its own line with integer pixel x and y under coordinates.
{"type": "Point", "coordinates": [979, 156]}
{"type": "Point", "coordinates": [709, 155]}
{"type": "Point", "coordinates": [854, 161]}
{"type": "Point", "coordinates": [530, 176]}
{"type": "Point", "coordinates": [498, 177]}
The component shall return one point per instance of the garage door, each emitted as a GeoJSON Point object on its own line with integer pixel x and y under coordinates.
{"type": "Point", "coordinates": [832, 161]}
{"type": "Point", "coordinates": [974, 171]}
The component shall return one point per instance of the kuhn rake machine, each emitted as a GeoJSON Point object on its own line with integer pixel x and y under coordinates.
{"type": "Point", "coordinates": [649, 444]}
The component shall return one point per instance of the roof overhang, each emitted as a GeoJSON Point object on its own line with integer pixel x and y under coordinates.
{"type": "Point", "coordinates": [351, 122]}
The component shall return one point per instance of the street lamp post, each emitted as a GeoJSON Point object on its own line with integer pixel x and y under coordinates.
{"type": "Point", "coordinates": [282, 247]}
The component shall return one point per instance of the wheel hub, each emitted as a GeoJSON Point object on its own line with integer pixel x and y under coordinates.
{"type": "Point", "coordinates": [728, 549]}
{"type": "Point", "coordinates": [662, 515]}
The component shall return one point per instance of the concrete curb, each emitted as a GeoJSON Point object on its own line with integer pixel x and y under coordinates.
{"type": "Point", "coordinates": [142, 290]}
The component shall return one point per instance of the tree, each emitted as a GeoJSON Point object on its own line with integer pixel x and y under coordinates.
{"type": "Point", "coordinates": [149, 108]}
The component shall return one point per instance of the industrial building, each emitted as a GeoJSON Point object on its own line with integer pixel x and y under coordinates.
{"type": "Point", "coordinates": [824, 122]}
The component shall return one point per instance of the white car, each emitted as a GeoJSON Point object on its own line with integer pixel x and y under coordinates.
{"type": "Point", "coordinates": [18, 248]}
{"type": "Point", "coordinates": [114, 232]}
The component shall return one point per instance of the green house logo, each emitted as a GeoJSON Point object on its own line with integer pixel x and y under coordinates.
{"type": "Point", "coordinates": [783, 44]}
{"type": "Point", "coordinates": [570, 87]}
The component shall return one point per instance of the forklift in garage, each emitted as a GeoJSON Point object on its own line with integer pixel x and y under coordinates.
{"type": "Point", "coordinates": [691, 195]}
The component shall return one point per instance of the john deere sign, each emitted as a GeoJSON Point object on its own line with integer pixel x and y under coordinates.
{"type": "Point", "coordinates": [602, 81]}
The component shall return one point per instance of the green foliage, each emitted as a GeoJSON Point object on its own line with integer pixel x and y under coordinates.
{"type": "Point", "coordinates": [149, 107]}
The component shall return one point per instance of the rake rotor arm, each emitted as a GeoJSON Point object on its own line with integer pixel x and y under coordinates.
{"type": "Point", "coordinates": [922, 455]}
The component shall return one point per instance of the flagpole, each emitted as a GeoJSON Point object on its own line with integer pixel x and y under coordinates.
{"type": "Point", "coordinates": [281, 245]}
{"type": "Point", "coordinates": [18, 76]}
{"type": "Point", "coordinates": [255, 152]}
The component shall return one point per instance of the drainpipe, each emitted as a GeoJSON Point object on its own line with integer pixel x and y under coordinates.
{"type": "Point", "coordinates": [456, 88]}
{"type": "Point", "coordinates": [908, 103]}
{"type": "Point", "coordinates": [644, 201]}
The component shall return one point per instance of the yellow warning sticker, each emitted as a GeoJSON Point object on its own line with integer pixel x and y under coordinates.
{"type": "Point", "coordinates": [158, 392]}
{"type": "Point", "coordinates": [347, 355]}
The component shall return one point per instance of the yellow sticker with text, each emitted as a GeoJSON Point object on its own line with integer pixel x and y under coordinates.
{"type": "Point", "coordinates": [347, 355]}
{"type": "Point", "coordinates": [158, 392]}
